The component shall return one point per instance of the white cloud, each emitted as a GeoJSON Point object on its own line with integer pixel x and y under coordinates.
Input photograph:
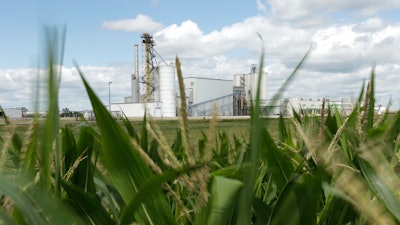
{"type": "Point", "coordinates": [308, 13]}
{"type": "Point", "coordinates": [370, 25]}
{"type": "Point", "coordinates": [16, 86]}
{"type": "Point", "coordinates": [141, 23]}
{"type": "Point", "coordinates": [344, 48]}
{"type": "Point", "coordinates": [72, 94]}
{"type": "Point", "coordinates": [261, 6]}
{"type": "Point", "coordinates": [188, 41]}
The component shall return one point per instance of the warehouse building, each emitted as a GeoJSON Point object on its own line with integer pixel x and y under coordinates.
{"type": "Point", "coordinates": [14, 113]}
{"type": "Point", "coordinates": [203, 93]}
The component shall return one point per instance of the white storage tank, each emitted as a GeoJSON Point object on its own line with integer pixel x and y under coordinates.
{"type": "Point", "coordinates": [168, 90]}
{"type": "Point", "coordinates": [263, 86]}
{"type": "Point", "coordinates": [135, 77]}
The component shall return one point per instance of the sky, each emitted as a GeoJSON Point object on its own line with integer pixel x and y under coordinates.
{"type": "Point", "coordinates": [213, 39]}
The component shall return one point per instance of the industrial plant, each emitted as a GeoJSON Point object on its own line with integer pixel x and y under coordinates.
{"type": "Point", "coordinates": [154, 91]}
{"type": "Point", "coordinates": [152, 85]}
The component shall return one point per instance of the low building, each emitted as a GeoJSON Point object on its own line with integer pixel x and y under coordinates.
{"type": "Point", "coordinates": [203, 93]}
{"type": "Point", "coordinates": [307, 106]}
{"type": "Point", "coordinates": [14, 113]}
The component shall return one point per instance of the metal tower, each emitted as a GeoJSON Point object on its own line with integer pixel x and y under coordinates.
{"type": "Point", "coordinates": [148, 42]}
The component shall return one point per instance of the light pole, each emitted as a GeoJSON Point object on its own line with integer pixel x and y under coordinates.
{"type": "Point", "coordinates": [109, 96]}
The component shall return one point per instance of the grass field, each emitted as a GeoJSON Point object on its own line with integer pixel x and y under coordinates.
{"type": "Point", "coordinates": [239, 127]}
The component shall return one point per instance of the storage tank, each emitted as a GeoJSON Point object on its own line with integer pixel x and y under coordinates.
{"type": "Point", "coordinates": [135, 76]}
{"type": "Point", "coordinates": [263, 86]}
{"type": "Point", "coordinates": [155, 84]}
{"type": "Point", "coordinates": [167, 90]}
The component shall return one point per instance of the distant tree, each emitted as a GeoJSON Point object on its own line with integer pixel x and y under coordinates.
{"type": "Point", "coordinates": [66, 113]}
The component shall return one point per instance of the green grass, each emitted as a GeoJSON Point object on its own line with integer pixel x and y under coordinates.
{"type": "Point", "coordinates": [329, 170]}
{"type": "Point", "coordinates": [233, 127]}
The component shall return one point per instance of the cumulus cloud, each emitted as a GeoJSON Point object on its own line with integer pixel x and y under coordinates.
{"type": "Point", "coordinates": [72, 94]}
{"type": "Point", "coordinates": [141, 23]}
{"type": "Point", "coordinates": [370, 25]}
{"type": "Point", "coordinates": [16, 86]}
{"type": "Point", "coordinates": [347, 48]}
{"type": "Point", "coordinates": [319, 12]}
{"type": "Point", "coordinates": [187, 40]}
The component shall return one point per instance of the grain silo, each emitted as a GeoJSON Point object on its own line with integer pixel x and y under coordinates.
{"type": "Point", "coordinates": [167, 90]}
{"type": "Point", "coordinates": [245, 89]}
{"type": "Point", "coordinates": [254, 77]}
{"type": "Point", "coordinates": [135, 77]}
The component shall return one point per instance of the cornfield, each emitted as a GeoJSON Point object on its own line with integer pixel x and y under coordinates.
{"type": "Point", "coordinates": [324, 170]}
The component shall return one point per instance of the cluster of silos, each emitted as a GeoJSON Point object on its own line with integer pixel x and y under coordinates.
{"type": "Point", "coordinates": [162, 83]}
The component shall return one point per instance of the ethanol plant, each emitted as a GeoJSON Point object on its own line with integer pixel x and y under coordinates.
{"type": "Point", "coordinates": [154, 91]}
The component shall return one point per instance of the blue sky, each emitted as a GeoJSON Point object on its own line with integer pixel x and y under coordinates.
{"type": "Point", "coordinates": [22, 23]}
{"type": "Point", "coordinates": [215, 39]}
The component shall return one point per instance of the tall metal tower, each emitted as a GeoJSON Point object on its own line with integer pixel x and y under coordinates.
{"type": "Point", "coordinates": [148, 42]}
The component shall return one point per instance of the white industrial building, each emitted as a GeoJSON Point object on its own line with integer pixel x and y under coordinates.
{"type": "Point", "coordinates": [231, 97]}
{"type": "Point", "coordinates": [306, 106]}
{"type": "Point", "coordinates": [200, 89]}
{"type": "Point", "coordinates": [203, 93]}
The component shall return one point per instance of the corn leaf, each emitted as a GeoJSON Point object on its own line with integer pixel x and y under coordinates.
{"type": "Point", "coordinates": [130, 129]}
{"type": "Point", "coordinates": [52, 123]}
{"type": "Point", "coordinates": [86, 205]}
{"type": "Point", "coordinates": [262, 211]}
{"type": "Point", "coordinates": [223, 198]}
{"type": "Point", "coordinates": [148, 188]}
{"type": "Point", "coordinates": [126, 168]}
{"type": "Point", "coordinates": [337, 209]}
{"type": "Point", "coordinates": [245, 202]}
{"type": "Point", "coordinates": [283, 134]}
{"type": "Point", "coordinates": [278, 164]}
{"type": "Point", "coordinates": [302, 198]}
{"type": "Point", "coordinates": [371, 99]}
{"type": "Point", "coordinates": [343, 138]}
{"type": "Point", "coordinates": [68, 147]}
{"type": "Point", "coordinates": [380, 187]}
{"type": "Point", "coordinates": [6, 219]}
{"type": "Point", "coordinates": [144, 139]}
{"type": "Point", "coordinates": [36, 206]}
{"type": "Point", "coordinates": [393, 131]}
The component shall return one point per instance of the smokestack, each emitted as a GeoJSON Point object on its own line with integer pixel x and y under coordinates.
{"type": "Point", "coordinates": [135, 76]}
